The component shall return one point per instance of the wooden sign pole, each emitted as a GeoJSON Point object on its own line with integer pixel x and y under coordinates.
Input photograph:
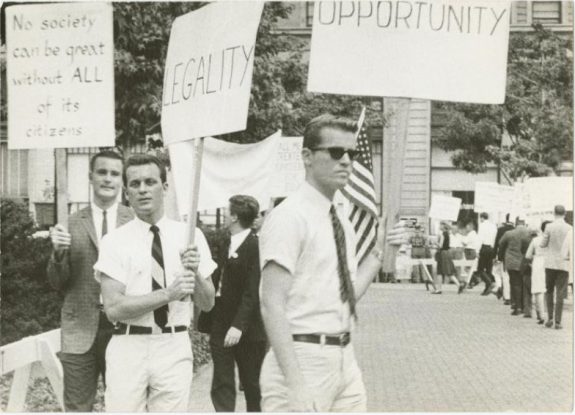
{"type": "Point", "coordinates": [194, 195]}
{"type": "Point", "coordinates": [61, 187]}
{"type": "Point", "coordinates": [193, 211]}
{"type": "Point", "coordinates": [392, 194]}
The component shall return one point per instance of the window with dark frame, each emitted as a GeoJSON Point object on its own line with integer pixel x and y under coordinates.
{"type": "Point", "coordinates": [546, 12]}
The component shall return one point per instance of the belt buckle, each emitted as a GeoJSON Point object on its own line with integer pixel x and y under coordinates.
{"type": "Point", "coordinates": [342, 339]}
{"type": "Point", "coordinates": [156, 330]}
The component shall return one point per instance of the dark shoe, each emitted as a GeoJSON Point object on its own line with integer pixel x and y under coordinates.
{"type": "Point", "coordinates": [499, 293]}
{"type": "Point", "coordinates": [436, 292]}
{"type": "Point", "coordinates": [461, 287]}
{"type": "Point", "coordinates": [558, 326]}
{"type": "Point", "coordinates": [549, 324]}
{"type": "Point", "coordinates": [527, 316]}
{"type": "Point", "coordinates": [540, 321]}
{"type": "Point", "coordinates": [507, 302]}
{"type": "Point", "coordinates": [516, 313]}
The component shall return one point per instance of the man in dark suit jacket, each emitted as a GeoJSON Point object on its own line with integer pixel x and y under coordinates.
{"type": "Point", "coordinates": [85, 330]}
{"type": "Point", "coordinates": [513, 246]}
{"type": "Point", "coordinates": [556, 266]}
{"type": "Point", "coordinates": [236, 330]}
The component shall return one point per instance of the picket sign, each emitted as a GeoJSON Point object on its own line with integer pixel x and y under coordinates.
{"type": "Point", "coordinates": [29, 358]}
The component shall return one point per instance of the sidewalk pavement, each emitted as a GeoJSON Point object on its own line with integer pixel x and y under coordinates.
{"type": "Point", "coordinates": [450, 353]}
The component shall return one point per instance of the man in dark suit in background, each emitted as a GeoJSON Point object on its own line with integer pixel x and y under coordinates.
{"type": "Point", "coordinates": [513, 246]}
{"type": "Point", "coordinates": [236, 331]}
{"type": "Point", "coordinates": [85, 330]}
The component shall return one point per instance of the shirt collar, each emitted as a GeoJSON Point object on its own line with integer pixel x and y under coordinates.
{"type": "Point", "coordinates": [316, 198]}
{"type": "Point", "coordinates": [237, 239]}
{"type": "Point", "coordinates": [145, 226]}
{"type": "Point", "coordinates": [110, 212]}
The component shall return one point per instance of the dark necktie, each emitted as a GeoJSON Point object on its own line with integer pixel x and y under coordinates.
{"type": "Point", "coordinates": [345, 286]}
{"type": "Point", "coordinates": [104, 223]}
{"type": "Point", "coordinates": [158, 276]}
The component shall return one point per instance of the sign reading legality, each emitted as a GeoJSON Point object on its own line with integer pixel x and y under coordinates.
{"type": "Point", "coordinates": [208, 73]}
{"type": "Point", "coordinates": [431, 49]}
{"type": "Point", "coordinates": [60, 75]}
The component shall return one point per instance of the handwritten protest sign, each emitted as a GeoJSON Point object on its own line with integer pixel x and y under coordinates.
{"type": "Point", "coordinates": [444, 207]}
{"type": "Point", "coordinates": [493, 197]}
{"type": "Point", "coordinates": [60, 75]}
{"type": "Point", "coordinates": [431, 49]}
{"type": "Point", "coordinates": [289, 172]}
{"type": "Point", "coordinates": [208, 71]}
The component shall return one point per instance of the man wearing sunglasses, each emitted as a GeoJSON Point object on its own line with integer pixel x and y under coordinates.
{"type": "Point", "coordinates": [311, 282]}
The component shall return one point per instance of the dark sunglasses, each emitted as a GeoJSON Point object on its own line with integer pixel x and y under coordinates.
{"type": "Point", "coordinates": [337, 153]}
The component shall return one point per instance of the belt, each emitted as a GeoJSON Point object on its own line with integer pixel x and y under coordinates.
{"type": "Point", "coordinates": [122, 328]}
{"type": "Point", "coordinates": [338, 340]}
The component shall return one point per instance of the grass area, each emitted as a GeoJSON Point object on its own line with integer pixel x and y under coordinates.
{"type": "Point", "coordinates": [41, 397]}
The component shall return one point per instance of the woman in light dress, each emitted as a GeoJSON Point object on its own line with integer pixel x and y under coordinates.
{"type": "Point", "coordinates": [537, 256]}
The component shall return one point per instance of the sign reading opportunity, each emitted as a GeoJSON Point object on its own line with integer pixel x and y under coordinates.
{"type": "Point", "coordinates": [450, 50]}
{"type": "Point", "coordinates": [60, 75]}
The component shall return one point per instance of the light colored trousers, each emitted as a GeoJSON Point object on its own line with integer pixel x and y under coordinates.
{"type": "Point", "coordinates": [331, 374]}
{"type": "Point", "coordinates": [149, 372]}
{"type": "Point", "coordinates": [502, 279]}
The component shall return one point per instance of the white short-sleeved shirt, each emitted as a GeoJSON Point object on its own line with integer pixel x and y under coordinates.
{"type": "Point", "coordinates": [125, 255]}
{"type": "Point", "coordinates": [487, 233]}
{"type": "Point", "coordinates": [298, 235]}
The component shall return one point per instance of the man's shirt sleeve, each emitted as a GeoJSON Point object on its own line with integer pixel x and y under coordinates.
{"type": "Point", "coordinates": [110, 261]}
{"type": "Point", "coordinates": [207, 265]}
{"type": "Point", "coordinates": [281, 240]}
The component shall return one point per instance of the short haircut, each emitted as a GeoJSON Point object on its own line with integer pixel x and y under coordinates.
{"type": "Point", "coordinates": [544, 225]}
{"type": "Point", "coordinates": [108, 154]}
{"type": "Point", "coordinates": [519, 221]}
{"type": "Point", "coordinates": [313, 129]}
{"type": "Point", "coordinates": [484, 215]}
{"type": "Point", "coordinates": [559, 210]}
{"type": "Point", "coordinates": [141, 160]}
{"type": "Point", "coordinates": [246, 208]}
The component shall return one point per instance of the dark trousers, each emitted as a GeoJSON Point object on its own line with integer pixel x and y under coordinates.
{"type": "Point", "coordinates": [516, 282]}
{"type": "Point", "coordinates": [555, 280]}
{"type": "Point", "coordinates": [249, 357]}
{"type": "Point", "coordinates": [485, 264]}
{"type": "Point", "coordinates": [526, 293]}
{"type": "Point", "coordinates": [81, 371]}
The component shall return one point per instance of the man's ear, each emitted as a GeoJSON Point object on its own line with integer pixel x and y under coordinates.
{"type": "Point", "coordinates": [165, 185]}
{"type": "Point", "coordinates": [306, 154]}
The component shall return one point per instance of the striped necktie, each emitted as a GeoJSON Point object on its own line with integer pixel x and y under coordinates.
{"type": "Point", "coordinates": [345, 285]}
{"type": "Point", "coordinates": [158, 276]}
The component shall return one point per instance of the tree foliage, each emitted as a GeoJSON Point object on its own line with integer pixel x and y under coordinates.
{"type": "Point", "coordinates": [536, 119]}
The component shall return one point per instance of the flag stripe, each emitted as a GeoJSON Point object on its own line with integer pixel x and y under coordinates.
{"type": "Point", "coordinates": [360, 192]}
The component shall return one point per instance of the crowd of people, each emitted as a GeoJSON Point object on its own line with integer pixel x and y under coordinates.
{"type": "Point", "coordinates": [280, 306]}
{"type": "Point", "coordinates": [528, 268]}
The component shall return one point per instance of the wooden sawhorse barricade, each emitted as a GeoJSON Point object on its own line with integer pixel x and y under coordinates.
{"type": "Point", "coordinates": [32, 357]}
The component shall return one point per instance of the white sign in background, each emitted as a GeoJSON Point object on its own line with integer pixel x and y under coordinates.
{"type": "Point", "coordinates": [208, 72]}
{"type": "Point", "coordinates": [444, 207]}
{"type": "Point", "coordinates": [60, 75]}
{"type": "Point", "coordinates": [289, 171]}
{"type": "Point", "coordinates": [227, 169]}
{"type": "Point", "coordinates": [493, 197]}
{"type": "Point", "coordinates": [450, 50]}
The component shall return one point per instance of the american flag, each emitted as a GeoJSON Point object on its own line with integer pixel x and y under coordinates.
{"type": "Point", "coordinates": [360, 191]}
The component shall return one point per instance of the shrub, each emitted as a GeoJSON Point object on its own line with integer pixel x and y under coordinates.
{"type": "Point", "coordinates": [29, 305]}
